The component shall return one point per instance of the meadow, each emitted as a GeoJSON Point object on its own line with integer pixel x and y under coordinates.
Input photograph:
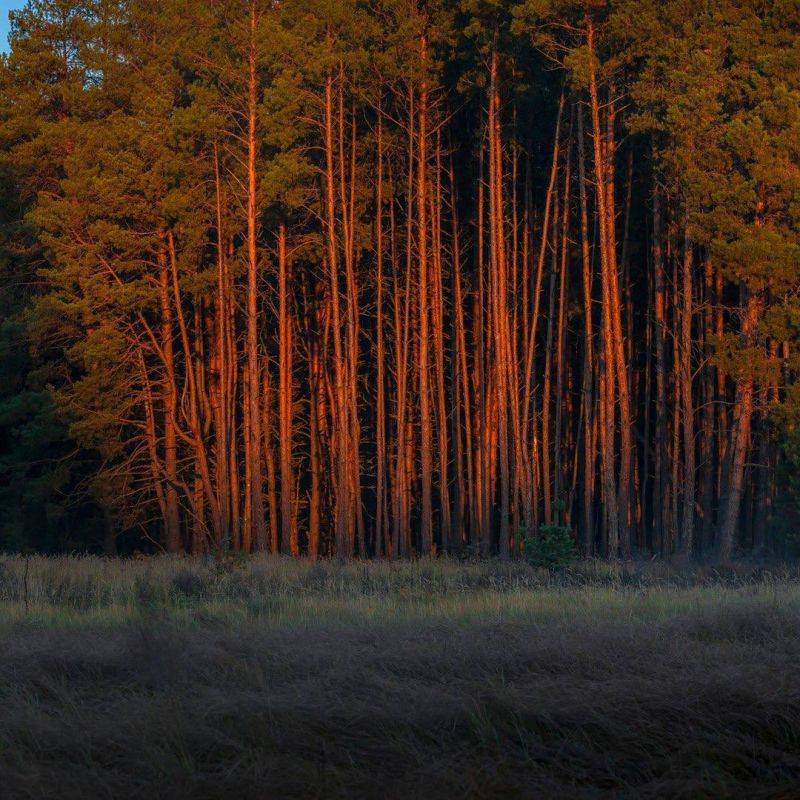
{"type": "Point", "coordinates": [276, 678]}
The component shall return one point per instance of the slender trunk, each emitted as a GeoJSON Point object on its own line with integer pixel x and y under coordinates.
{"type": "Point", "coordinates": [402, 309]}
{"type": "Point", "coordinates": [499, 290]}
{"type": "Point", "coordinates": [258, 532]}
{"type": "Point", "coordinates": [768, 398]}
{"type": "Point", "coordinates": [659, 438]}
{"type": "Point", "coordinates": [316, 415]}
{"type": "Point", "coordinates": [547, 480]}
{"type": "Point", "coordinates": [527, 411]}
{"type": "Point", "coordinates": [677, 411]}
{"type": "Point", "coordinates": [644, 491]}
{"type": "Point", "coordinates": [269, 459]}
{"type": "Point", "coordinates": [740, 433]}
{"type": "Point", "coordinates": [156, 464]}
{"type": "Point", "coordinates": [347, 179]}
{"type": "Point", "coordinates": [588, 353]}
{"type": "Point", "coordinates": [609, 352]}
{"type": "Point", "coordinates": [437, 285]}
{"type": "Point", "coordinates": [289, 534]}
{"type": "Point", "coordinates": [480, 531]}
{"type": "Point", "coordinates": [461, 378]}
{"type": "Point", "coordinates": [196, 437]}
{"type": "Point", "coordinates": [426, 461]}
{"type": "Point", "coordinates": [172, 531]}
{"type": "Point", "coordinates": [562, 327]}
{"type": "Point", "coordinates": [340, 445]}
{"type": "Point", "coordinates": [221, 400]}
{"type": "Point", "coordinates": [686, 401]}
{"type": "Point", "coordinates": [708, 449]}
{"type": "Point", "coordinates": [380, 470]}
{"type": "Point", "coordinates": [722, 433]}
{"type": "Point", "coordinates": [618, 338]}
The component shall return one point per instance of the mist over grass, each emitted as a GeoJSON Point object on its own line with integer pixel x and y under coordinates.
{"type": "Point", "coordinates": [261, 678]}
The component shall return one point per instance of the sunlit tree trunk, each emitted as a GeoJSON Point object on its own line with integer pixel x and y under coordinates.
{"type": "Point", "coordinates": [740, 431]}
{"type": "Point", "coordinates": [255, 488]}
{"type": "Point", "coordinates": [589, 456]}
{"type": "Point", "coordinates": [172, 531]}
{"type": "Point", "coordinates": [289, 533]}
{"type": "Point", "coordinates": [380, 445]}
{"type": "Point", "coordinates": [423, 310]}
{"type": "Point", "coordinates": [438, 308]}
{"type": "Point", "coordinates": [340, 444]}
{"type": "Point", "coordinates": [499, 293]}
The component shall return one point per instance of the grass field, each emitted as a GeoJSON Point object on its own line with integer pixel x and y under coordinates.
{"type": "Point", "coordinates": [172, 678]}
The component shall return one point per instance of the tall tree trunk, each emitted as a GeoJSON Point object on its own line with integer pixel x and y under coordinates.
{"type": "Point", "coordinates": [480, 532]}
{"type": "Point", "coordinates": [347, 178]}
{"type": "Point", "coordinates": [267, 427]}
{"type": "Point", "coordinates": [500, 305]}
{"type": "Point", "coordinates": [659, 438]}
{"type": "Point", "coordinates": [289, 533]}
{"type": "Point", "coordinates": [221, 401]}
{"type": "Point", "coordinates": [196, 437]}
{"type": "Point", "coordinates": [677, 411]}
{"type": "Point", "coordinates": [437, 284]}
{"type": "Point", "coordinates": [530, 361]}
{"type": "Point", "coordinates": [768, 398]}
{"type": "Point", "coordinates": [561, 331]}
{"type": "Point", "coordinates": [589, 456]}
{"type": "Point", "coordinates": [255, 489]}
{"type": "Point", "coordinates": [547, 475]}
{"type": "Point", "coordinates": [461, 380]}
{"type": "Point", "coordinates": [172, 530]}
{"type": "Point", "coordinates": [426, 461]}
{"type": "Point", "coordinates": [708, 448]}
{"type": "Point", "coordinates": [380, 445]}
{"type": "Point", "coordinates": [342, 509]}
{"type": "Point", "coordinates": [686, 401]}
{"type": "Point", "coordinates": [740, 432]}
{"type": "Point", "coordinates": [618, 338]}
{"type": "Point", "coordinates": [316, 415]}
{"type": "Point", "coordinates": [610, 307]}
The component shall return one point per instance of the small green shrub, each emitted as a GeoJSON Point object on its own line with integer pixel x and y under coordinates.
{"type": "Point", "coordinates": [551, 547]}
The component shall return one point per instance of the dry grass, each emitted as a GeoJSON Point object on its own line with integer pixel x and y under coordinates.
{"type": "Point", "coordinates": [269, 679]}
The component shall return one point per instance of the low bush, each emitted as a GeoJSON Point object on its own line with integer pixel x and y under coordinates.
{"type": "Point", "coordinates": [551, 547]}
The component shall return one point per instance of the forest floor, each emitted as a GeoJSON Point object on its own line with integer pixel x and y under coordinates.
{"type": "Point", "coordinates": [270, 678]}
